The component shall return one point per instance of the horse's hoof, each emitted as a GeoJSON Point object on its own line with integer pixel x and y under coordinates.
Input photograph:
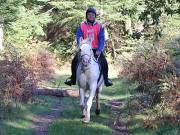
{"type": "Point", "coordinates": [98, 111]}
{"type": "Point", "coordinates": [86, 121]}
{"type": "Point", "coordinates": [83, 116]}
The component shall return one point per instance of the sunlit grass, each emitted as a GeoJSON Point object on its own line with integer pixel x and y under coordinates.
{"type": "Point", "coordinates": [137, 128]}
{"type": "Point", "coordinates": [76, 127]}
{"type": "Point", "coordinates": [15, 127]}
{"type": "Point", "coordinates": [23, 124]}
{"type": "Point", "coordinates": [22, 115]}
{"type": "Point", "coordinates": [138, 121]}
{"type": "Point", "coordinates": [70, 122]}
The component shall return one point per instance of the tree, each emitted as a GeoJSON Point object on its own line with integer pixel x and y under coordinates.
{"type": "Point", "coordinates": [1, 34]}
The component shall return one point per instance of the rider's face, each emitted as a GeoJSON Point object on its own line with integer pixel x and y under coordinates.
{"type": "Point", "coordinates": [91, 16]}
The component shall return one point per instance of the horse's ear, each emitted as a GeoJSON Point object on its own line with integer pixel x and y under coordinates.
{"type": "Point", "coordinates": [80, 43]}
{"type": "Point", "coordinates": [90, 40]}
{"type": "Point", "coordinates": [80, 40]}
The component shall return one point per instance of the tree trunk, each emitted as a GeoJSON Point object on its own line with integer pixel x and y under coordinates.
{"type": "Point", "coordinates": [1, 33]}
{"type": "Point", "coordinates": [128, 26]}
{"type": "Point", "coordinates": [56, 92]}
{"type": "Point", "coordinates": [113, 49]}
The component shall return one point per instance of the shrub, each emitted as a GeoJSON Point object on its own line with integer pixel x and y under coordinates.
{"type": "Point", "coordinates": [158, 90]}
{"type": "Point", "coordinates": [21, 74]}
{"type": "Point", "coordinates": [147, 66]}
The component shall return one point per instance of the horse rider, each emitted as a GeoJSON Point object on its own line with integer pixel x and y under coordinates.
{"type": "Point", "coordinates": [91, 28]}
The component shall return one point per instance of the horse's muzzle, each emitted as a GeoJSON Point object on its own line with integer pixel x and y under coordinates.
{"type": "Point", "coordinates": [85, 62]}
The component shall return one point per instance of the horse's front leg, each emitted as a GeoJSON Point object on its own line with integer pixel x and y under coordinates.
{"type": "Point", "coordinates": [82, 101]}
{"type": "Point", "coordinates": [89, 103]}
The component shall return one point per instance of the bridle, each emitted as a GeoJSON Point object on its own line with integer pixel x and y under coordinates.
{"type": "Point", "coordinates": [91, 56]}
{"type": "Point", "coordinates": [89, 60]}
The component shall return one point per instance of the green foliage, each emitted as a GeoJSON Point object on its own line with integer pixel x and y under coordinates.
{"type": "Point", "coordinates": [26, 20]}
{"type": "Point", "coordinates": [56, 21]}
{"type": "Point", "coordinates": [28, 25]}
{"type": "Point", "coordinates": [9, 10]}
{"type": "Point", "coordinates": [22, 22]}
{"type": "Point", "coordinates": [153, 13]}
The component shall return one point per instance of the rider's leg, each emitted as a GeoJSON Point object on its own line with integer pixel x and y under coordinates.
{"type": "Point", "coordinates": [104, 66]}
{"type": "Point", "coordinates": [72, 80]}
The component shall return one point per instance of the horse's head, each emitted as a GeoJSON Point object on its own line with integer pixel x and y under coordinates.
{"type": "Point", "coordinates": [85, 51]}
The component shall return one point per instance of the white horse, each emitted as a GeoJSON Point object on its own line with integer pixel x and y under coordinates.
{"type": "Point", "coordinates": [88, 79]}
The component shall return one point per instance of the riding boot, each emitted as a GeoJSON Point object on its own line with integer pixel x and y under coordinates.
{"type": "Point", "coordinates": [107, 81]}
{"type": "Point", "coordinates": [72, 80]}
{"type": "Point", "coordinates": [104, 66]}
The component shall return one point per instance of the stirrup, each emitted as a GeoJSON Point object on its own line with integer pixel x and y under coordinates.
{"type": "Point", "coordinates": [108, 82]}
{"type": "Point", "coordinates": [69, 82]}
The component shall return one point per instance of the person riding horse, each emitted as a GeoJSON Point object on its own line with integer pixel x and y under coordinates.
{"type": "Point", "coordinates": [94, 30]}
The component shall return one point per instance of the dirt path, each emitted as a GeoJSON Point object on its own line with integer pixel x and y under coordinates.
{"type": "Point", "coordinates": [42, 121]}
{"type": "Point", "coordinates": [118, 125]}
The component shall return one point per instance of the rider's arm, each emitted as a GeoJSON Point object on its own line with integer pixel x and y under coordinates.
{"type": "Point", "coordinates": [79, 34]}
{"type": "Point", "coordinates": [101, 39]}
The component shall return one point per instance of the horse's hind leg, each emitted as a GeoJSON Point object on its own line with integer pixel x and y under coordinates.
{"type": "Point", "coordinates": [98, 108]}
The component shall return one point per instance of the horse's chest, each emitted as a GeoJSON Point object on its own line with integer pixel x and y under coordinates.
{"type": "Point", "coordinates": [84, 76]}
{"type": "Point", "coordinates": [83, 81]}
{"type": "Point", "coordinates": [87, 76]}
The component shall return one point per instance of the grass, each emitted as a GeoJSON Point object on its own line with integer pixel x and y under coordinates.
{"type": "Point", "coordinates": [136, 127]}
{"type": "Point", "coordinates": [70, 122]}
{"type": "Point", "coordinates": [74, 127]}
{"type": "Point", "coordinates": [18, 119]}
{"type": "Point", "coordinates": [21, 117]}
{"type": "Point", "coordinates": [145, 122]}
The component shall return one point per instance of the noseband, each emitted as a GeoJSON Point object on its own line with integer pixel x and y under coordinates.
{"type": "Point", "coordinates": [88, 61]}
